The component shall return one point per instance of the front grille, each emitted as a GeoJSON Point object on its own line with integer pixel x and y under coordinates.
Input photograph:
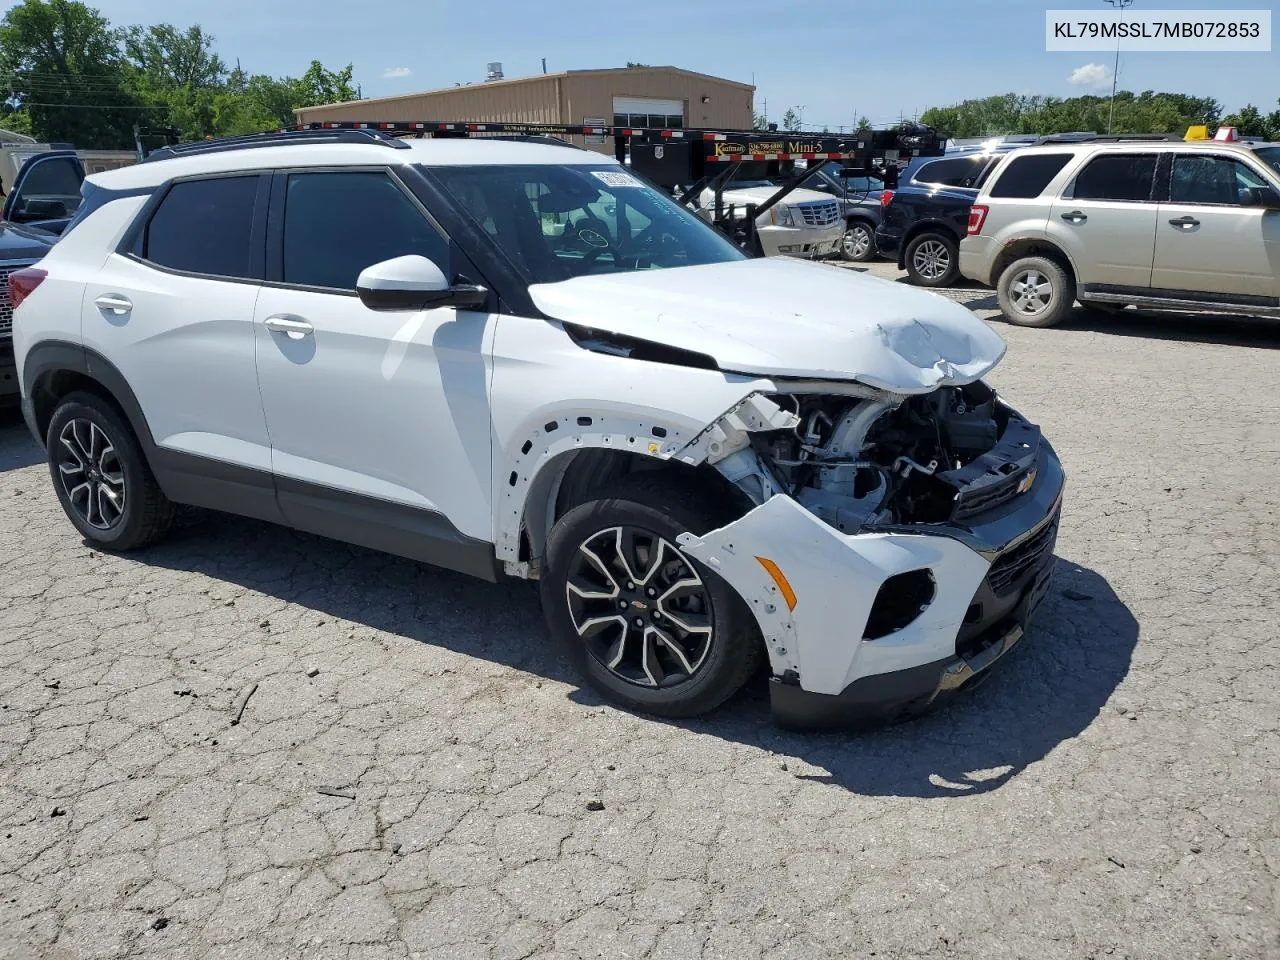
{"type": "Point", "coordinates": [1012, 567]}
{"type": "Point", "coordinates": [6, 308]}
{"type": "Point", "coordinates": [971, 502]}
{"type": "Point", "coordinates": [820, 213]}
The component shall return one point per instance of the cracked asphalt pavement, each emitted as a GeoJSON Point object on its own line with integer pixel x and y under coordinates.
{"type": "Point", "coordinates": [418, 774]}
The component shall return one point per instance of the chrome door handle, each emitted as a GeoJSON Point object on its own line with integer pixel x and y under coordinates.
{"type": "Point", "coordinates": [1185, 222]}
{"type": "Point", "coordinates": [295, 328]}
{"type": "Point", "coordinates": [1075, 216]}
{"type": "Point", "coordinates": [114, 304]}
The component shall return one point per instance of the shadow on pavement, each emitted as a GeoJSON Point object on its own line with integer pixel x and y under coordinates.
{"type": "Point", "coordinates": [1222, 329]}
{"type": "Point", "coordinates": [1049, 689]}
{"type": "Point", "coordinates": [17, 447]}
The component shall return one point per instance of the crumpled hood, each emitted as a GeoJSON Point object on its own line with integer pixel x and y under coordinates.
{"type": "Point", "coordinates": [779, 317]}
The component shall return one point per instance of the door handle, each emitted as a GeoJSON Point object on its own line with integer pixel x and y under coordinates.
{"type": "Point", "coordinates": [1185, 222]}
{"type": "Point", "coordinates": [114, 304]}
{"type": "Point", "coordinates": [1075, 216]}
{"type": "Point", "coordinates": [295, 328]}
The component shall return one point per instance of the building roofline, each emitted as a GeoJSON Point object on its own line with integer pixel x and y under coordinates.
{"type": "Point", "coordinates": [507, 81]}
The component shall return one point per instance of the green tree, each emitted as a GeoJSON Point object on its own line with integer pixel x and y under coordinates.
{"type": "Point", "coordinates": [61, 62]}
{"type": "Point", "coordinates": [178, 72]}
{"type": "Point", "coordinates": [1248, 121]}
{"type": "Point", "coordinates": [1147, 112]}
{"type": "Point", "coordinates": [789, 119]}
{"type": "Point", "coordinates": [759, 121]}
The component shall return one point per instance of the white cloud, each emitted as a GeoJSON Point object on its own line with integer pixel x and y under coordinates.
{"type": "Point", "coordinates": [1090, 75]}
{"type": "Point", "coordinates": [396, 73]}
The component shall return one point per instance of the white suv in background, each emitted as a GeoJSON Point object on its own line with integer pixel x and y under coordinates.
{"type": "Point", "coordinates": [516, 358]}
{"type": "Point", "coordinates": [1182, 225]}
{"type": "Point", "coordinates": [806, 223]}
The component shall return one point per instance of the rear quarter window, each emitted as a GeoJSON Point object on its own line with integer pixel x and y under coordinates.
{"type": "Point", "coordinates": [1027, 177]}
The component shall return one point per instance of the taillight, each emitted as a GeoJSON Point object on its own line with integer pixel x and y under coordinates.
{"type": "Point", "coordinates": [977, 217]}
{"type": "Point", "coordinates": [885, 198]}
{"type": "Point", "coordinates": [23, 283]}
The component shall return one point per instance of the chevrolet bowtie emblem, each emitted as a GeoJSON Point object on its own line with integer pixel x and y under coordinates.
{"type": "Point", "coordinates": [639, 605]}
{"type": "Point", "coordinates": [1027, 481]}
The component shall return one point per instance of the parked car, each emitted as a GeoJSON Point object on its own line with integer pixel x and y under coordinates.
{"type": "Point", "coordinates": [860, 206]}
{"type": "Point", "coordinates": [743, 458]}
{"type": "Point", "coordinates": [1185, 225]}
{"type": "Point", "coordinates": [927, 215]}
{"type": "Point", "coordinates": [805, 223]}
{"type": "Point", "coordinates": [43, 188]}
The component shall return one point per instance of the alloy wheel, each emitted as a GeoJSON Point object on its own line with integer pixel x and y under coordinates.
{"type": "Point", "coordinates": [91, 474]}
{"type": "Point", "coordinates": [932, 259]}
{"type": "Point", "coordinates": [640, 607]}
{"type": "Point", "coordinates": [857, 242]}
{"type": "Point", "coordinates": [1031, 292]}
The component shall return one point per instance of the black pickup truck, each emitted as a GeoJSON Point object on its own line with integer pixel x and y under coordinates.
{"type": "Point", "coordinates": [44, 198]}
{"type": "Point", "coordinates": [926, 216]}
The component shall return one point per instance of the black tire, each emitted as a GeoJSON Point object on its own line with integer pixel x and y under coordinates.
{"type": "Point", "coordinates": [858, 245]}
{"type": "Point", "coordinates": [933, 260]}
{"type": "Point", "coordinates": [101, 442]}
{"type": "Point", "coordinates": [1035, 292]}
{"type": "Point", "coordinates": [662, 510]}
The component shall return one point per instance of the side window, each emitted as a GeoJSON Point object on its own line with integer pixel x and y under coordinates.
{"type": "Point", "coordinates": [953, 172]}
{"type": "Point", "coordinates": [1026, 177]}
{"type": "Point", "coordinates": [204, 226]}
{"type": "Point", "coordinates": [336, 224]}
{"type": "Point", "coordinates": [1204, 179]}
{"type": "Point", "coordinates": [1117, 176]}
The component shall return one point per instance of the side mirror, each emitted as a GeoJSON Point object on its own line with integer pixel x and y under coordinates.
{"type": "Point", "coordinates": [1260, 197]}
{"type": "Point", "coordinates": [39, 209]}
{"type": "Point", "coordinates": [414, 283]}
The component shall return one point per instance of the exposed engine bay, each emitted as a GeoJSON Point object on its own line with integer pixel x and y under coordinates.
{"type": "Point", "coordinates": [931, 458]}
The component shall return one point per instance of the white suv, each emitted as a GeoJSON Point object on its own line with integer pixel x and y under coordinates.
{"type": "Point", "coordinates": [513, 357]}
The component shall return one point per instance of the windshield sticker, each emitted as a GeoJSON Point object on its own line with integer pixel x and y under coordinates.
{"type": "Point", "coordinates": [616, 178]}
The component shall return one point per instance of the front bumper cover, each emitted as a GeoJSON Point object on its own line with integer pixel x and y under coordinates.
{"type": "Point", "coordinates": [989, 573]}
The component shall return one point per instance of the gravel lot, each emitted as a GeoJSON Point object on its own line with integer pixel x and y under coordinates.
{"type": "Point", "coordinates": [1114, 791]}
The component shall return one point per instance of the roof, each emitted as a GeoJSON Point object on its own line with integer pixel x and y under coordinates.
{"type": "Point", "coordinates": [444, 153]}
{"type": "Point", "coordinates": [1238, 146]}
{"type": "Point", "coordinates": [515, 81]}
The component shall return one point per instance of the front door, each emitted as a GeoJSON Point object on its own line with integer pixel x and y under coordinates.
{"type": "Point", "coordinates": [1106, 220]}
{"type": "Point", "coordinates": [379, 420]}
{"type": "Point", "coordinates": [1214, 236]}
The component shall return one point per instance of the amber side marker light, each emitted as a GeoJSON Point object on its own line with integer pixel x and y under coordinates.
{"type": "Point", "coordinates": [772, 569]}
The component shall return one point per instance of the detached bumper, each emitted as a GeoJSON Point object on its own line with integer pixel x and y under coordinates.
{"type": "Point", "coordinates": [873, 626]}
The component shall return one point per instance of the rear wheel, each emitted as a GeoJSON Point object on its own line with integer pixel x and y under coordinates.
{"type": "Point", "coordinates": [648, 626]}
{"type": "Point", "coordinates": [1035, 292]}
{"type": "Point", "coordinates": [859, 242]}
{"type": "Point", "coordinates": [932, 260]}
{"type": "Point", "coordinates": [101, 478]}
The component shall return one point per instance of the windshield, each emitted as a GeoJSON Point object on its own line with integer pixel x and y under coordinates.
{"type": "Point", "coordinates": [854, 185]}
{"type": "Point", "coordinates": [746, 184]}
{"type": "Point", "coordinates": [1271, 157]}
{"type": "Point", "coordinates": [557, 222]}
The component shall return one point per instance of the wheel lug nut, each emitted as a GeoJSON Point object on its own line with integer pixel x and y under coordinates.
{"type": "Point", "coordinates": [622, 604]}
{"type": "Point", "coordinates": [638, 622]}
{"type": "Point", "coordinates": [631, 586]}
{"type": "Point", "coordinates": [653, 592]}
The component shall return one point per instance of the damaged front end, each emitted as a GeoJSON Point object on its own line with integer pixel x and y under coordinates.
{"type": "Point", "coordinates": [898, 544]}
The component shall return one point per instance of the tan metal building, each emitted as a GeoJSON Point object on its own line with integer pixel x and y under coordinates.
{"type": "Point", "coordinates": [626, 96]}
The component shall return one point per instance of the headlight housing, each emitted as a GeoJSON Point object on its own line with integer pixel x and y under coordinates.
{"type": "Point", "coordinates": [782, 216]}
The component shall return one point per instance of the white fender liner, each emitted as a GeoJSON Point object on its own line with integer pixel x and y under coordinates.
{"type": "Point", "coordinates": [835, 579]}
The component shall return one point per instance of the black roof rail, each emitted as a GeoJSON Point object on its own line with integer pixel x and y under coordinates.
{"type": "Point", "coordinates": [1109, 137]}
{"type": "Point", "coordinates": [280, 138]}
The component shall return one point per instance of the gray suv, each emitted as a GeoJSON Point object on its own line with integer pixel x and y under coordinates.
{"type": "Point", "coordinates": [1182, 225]}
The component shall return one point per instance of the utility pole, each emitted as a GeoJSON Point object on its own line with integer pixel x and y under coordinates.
{"type": "Point", "coordinates": [1120, 5]}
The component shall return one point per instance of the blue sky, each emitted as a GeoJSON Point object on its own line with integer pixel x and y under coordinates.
{"type": "Point", "coordinates": [838, 60]}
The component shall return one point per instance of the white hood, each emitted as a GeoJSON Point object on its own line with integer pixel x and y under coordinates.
{"type": "Point", "coordinates": [779, 317]}
{"type": "Point", "coordinates": [759, 195]}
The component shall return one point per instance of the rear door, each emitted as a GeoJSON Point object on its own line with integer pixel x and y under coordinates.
{"type": "Point", "coordinates": [1213, 235]}
{"type": "Point", "coordinates": [1105, 219]}
{"type": "Point", "coordinates": [173, 310]}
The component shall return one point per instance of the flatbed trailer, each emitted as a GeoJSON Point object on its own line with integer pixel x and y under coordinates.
{"type": "Point", "coordinates": [687, 162]}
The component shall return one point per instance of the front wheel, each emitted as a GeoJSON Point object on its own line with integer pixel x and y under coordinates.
{"type": "Point", "coordinates": [1035, 292]}
{"type": "Point", "coordinates": [859, 242]}
{"type": "Point", "coordinates": [933, 260]}
{"type": "Point", "coordinates": [648, 626]}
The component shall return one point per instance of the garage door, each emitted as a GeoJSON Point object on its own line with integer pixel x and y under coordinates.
{"type": "Point", "coordinates": [646, 112]}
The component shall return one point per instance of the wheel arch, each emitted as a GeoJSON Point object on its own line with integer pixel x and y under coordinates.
{"type": "Point", "coordinates": [1015, 250]}
{"type": "Point", "coordinates": [54, 368]}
